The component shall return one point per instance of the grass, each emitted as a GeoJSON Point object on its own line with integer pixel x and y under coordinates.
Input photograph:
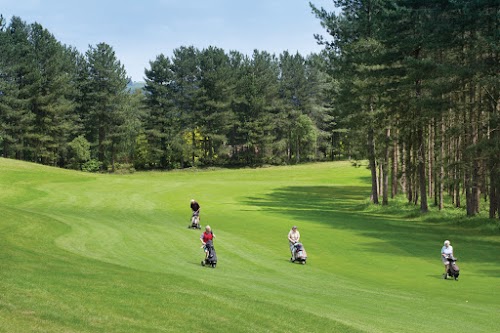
{"type": "Point", "coordinates": [111, 253]}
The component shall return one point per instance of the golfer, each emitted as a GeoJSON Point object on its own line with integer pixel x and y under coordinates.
{"type": "Point", "coordinates": [195, 207]}
{"type": "Point", "coordinates": [206, 236]}
{"type": "Point", "coordinates": [293, 237]}
{"type": "Point", "coordinates": [446, 251]}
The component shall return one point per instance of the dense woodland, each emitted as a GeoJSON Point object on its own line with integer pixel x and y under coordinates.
{"type": "Point", "coordinates": [419, 81]}
{"type": "Point", "coordinates": [410, 85]}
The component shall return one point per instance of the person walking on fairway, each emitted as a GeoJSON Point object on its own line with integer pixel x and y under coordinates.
{"type": "Point", "coordinates": [293, 237]}
{"type": "Point", "coordinates": [446, 251]}
{"type": "Point", "coordinates": [195, 207]}
{"type": "Point", "coordinates": [206, 236]}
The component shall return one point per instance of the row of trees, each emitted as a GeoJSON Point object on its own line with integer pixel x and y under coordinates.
{"type": "Point", "coordinates": [60, 107]}
{"type": "Point", "coordinates": [199, 107]}
{"type": "Point", "coordinates": [236, 109]}
{"type": "Point", "coordinates": [419, 81]}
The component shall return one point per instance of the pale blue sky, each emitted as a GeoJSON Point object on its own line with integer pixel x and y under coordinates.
{"type": "Point", "coordinates": [139, 30]}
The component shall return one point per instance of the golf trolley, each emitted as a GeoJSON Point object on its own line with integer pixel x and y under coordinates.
{"type": "Point", "coordinates": [195, 222]}
{"type": "Point", "coordinates": [453, 269]}
{"type": "Point", "coordinates": [299, 253]}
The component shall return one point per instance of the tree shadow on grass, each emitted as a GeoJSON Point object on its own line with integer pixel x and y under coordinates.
{"type": "Point", "coordinates": [345, 207]}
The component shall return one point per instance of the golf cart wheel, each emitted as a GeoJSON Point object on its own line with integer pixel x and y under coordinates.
{"type": "Point", "coordinates": [203, 262]}
{"type": "Point", "coordinates": [303, 262]}
{"type": "Point", "coordinates": [213, 265]}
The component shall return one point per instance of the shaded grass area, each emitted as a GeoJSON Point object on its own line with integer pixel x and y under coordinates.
{"type": "Point", "coordinates": [346, 207]}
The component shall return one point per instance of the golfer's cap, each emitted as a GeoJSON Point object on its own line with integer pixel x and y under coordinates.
{"type": "Point", "coordinates": [192, 200]}
{"type": "Point", "coordinates": [446, 242]}
{"type": "Point", "coordinates": [294, 227]}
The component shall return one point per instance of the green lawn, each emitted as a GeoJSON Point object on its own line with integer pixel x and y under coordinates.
{"type": "Point", "coordinates": [86, 252]}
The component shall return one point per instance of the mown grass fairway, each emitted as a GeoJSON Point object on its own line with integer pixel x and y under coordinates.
{"type": "Point", "coordinates": [109, 253]}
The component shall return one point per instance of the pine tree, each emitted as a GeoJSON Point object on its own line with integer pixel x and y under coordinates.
{"type": "Point", "coordinates": [216, 117]}
{"type": "Point", "coordinates": [295, 127]}
{"type": "Point", "coordinates": [16, 118]}
{"type": "Point", "coordinates": [106, 97]}
{"type": "Point", "coordinates": [187, 76]}
{"type": "Point", "coordinates": [255, 97]}
{"type": "Point", "coordinates": [50, 103]}
{"type": "Point", "coordinates": [162, 119]}
{"type": "Point", "coordinates": [355, 50]}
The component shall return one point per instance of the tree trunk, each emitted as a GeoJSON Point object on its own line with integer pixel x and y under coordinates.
{"type": "Point", "coordinates": [421, 171]}
{"type": "Point", "coordinates": [373, 169]}
{"type": "Point", "coordinates": [470, 158]}
{"type": "Point", "coordinates": [409, 172]}
{"type": "Point", "coordinates": [297, 154]}
{"type": "Point", "coordinates": [394, 171]}
{"type": "Point", "coordinates": [102, 137]}
{"type": "Point", "coordinates": [494, 163]}
{"type": "Point", "coordinates": [414, 170]}
{"type": "Point", "coordinates": [379, 178]}
{"type": "Point", "coordinates": [403, 169]}
{"type": "Point", "coordinates": [371, 158]}
{"type": "Point", "coordinates": [435, 158]}
{"type": "Point", "coordinates": [476, 172]}
{"type": "Point", "coordinates": [430, 158]}
{"type": "Point", "coordinates": [457, 175]}
{"type": "Point", "coordinates": [385, 168]}
{"type": "Point", "coordinates": [441, 168]}
{"type": "Point", "coordinates": [493, 194]}
{"type": "Point", "coordinates": [193, 143]}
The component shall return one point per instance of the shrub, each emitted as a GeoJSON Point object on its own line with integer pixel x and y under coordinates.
{"type": "Point", "coordinates": [79, 152]}
{"type": "Point", "coordinates": [92, 166]}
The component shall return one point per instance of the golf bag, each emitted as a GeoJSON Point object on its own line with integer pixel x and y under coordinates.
{"type": "Point", "coordinates": [453, 269]}
{"type": "Point", "coordinates": [211, 259]}
{"type": "Point", "coordinates": [195, 221]}
{"type": "Point", "coordinates": [299, 253]}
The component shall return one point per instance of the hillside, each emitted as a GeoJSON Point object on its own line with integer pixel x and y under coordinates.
{"type": "Point", "coordinates": [112, 253]}
{"type": "Point", "coordinates": [133, 86]}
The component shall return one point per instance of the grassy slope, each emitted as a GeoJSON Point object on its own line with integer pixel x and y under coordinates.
{"type": "Point", "coordinates": [107, 253]}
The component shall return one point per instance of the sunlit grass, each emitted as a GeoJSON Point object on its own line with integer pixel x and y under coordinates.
{"type": "Point", "coordinates": [112, 253]}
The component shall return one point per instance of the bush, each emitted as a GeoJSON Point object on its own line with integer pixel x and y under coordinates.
{"type": "Point", "coordinates": [92, 166]}
{"type": "Point", "coordinates": [80, 149]}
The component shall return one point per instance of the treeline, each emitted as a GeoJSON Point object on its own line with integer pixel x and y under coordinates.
{"type": "Point", "coordinates": [198, 108]}
{"type": "Point", "coordinates": [411, 85]}
{"type": "Point", "coordinates": [60, 107]}
{"type": "Point", "coordinates": [236, 109]}
{"type": "Point", "coordinates": [419, 81]}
